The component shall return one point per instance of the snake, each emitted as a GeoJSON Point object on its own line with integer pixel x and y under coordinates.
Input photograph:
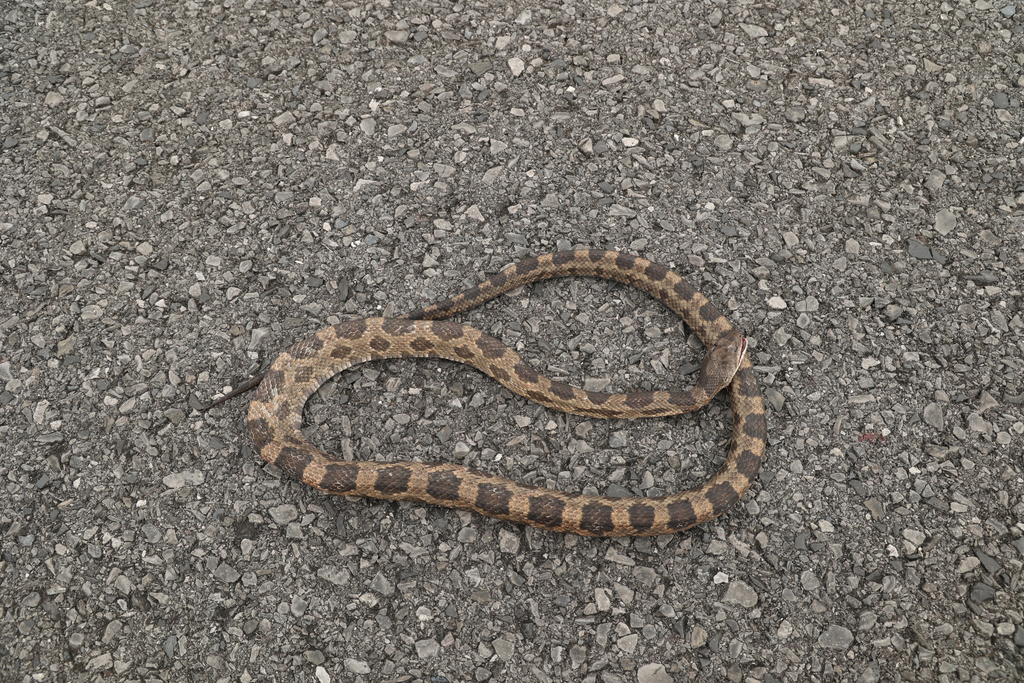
{"type": "Point", "coordinates": [275, 413]}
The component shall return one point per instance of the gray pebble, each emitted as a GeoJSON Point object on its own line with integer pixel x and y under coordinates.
{"type": "Point", "coordinates": [870, 674]}
{"type": "Point", "coordinates": [282, 514]}
{"type": "Point", "coordinates": [875, 507]}
{"type": "Point", "coordinates": [932, 415]}
{"type": "Point", "coordinates": [170, 644]}
{"type": "Point", "coordinates": [739, 593]}
{"type": "Point", "coordinates": [935, 181]}
{"type": "Point", "coordinates": [226, 573]}
{"type": "Point", "coordinates": [100, 662]}
{"type": "Point", "coordinates": [503, 648]}
{"type": "Point", "coordinates": [508, 541]}
{"type": "Point", "coordinates": [110, 632]}
{"type": "Point", "coordinates": [653, 673]}
{"type": "Point", "coordinates": [945, 222]}
{"type": "Point", "coordinates": [982, 592]}
{"type": "Point", "coordinates": [919, 250]}
{"type": "Point", "coordinates": [380, 584]}
{"type": "Point", "coordinates": [990, 565]}
{"type": "Point", "coordinates": [357, 666]}
{"type": "Point", "coordinates": [836, 638]}
{"type": "Point", "coordinates": [427, 648]}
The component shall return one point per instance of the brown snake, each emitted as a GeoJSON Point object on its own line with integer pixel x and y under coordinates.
{"type": "Point", "coordinates": [275, 414]}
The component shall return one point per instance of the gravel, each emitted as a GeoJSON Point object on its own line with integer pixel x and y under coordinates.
{"type": "Point", "coordinates": [190, 187]}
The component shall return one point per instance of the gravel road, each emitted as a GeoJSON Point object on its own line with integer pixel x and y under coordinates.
{"type": "Point", "coordinates": [190, 187]}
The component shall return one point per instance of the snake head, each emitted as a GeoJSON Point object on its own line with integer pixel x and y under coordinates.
{"type": "Point", "coordinates": [722, 361]}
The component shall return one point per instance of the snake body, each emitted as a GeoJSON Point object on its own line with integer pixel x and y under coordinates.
{"type": "Point", "coordinates": [275, 413]}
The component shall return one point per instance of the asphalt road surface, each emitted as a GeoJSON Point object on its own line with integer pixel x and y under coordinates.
{"type": "Point", "coordinates": [188, 188]}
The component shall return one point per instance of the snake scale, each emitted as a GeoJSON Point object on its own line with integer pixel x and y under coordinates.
{"type": "Point", "coordinates": [275, 413]}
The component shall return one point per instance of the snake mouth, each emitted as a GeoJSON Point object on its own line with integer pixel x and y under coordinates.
{"type": "Point", "coordinates": [743, 353]}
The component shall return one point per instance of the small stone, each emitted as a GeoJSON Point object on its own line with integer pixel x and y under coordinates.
{"type": "Point", "coordinates": [226, 573]}
{"type": "Point", "coordinates": [915, 536]}
{"type": "Point", "coordinates": [968, 564]}
{"type": "Point", "coordinates": [920, 250]}
{"type": "Point", "coordinates": [298, 606]}
{"type": "Point", "coordinates": [739, 593]}
{"type": "Point", "coordinates": [653, 673]}
{"type": "Point", "coordinates": [111, 631]}
{"type": "Point", "coordinates": [1001, 100]}
{"type": "Point", "coordinates": [503, 648]}
{"type": "Point", "coordinates": [795, 114]}
{"type": "Point", "coordinates": [982, 592]}
{"type": "Point", "coordinates": [777, 303]}
{"type": "Point", "coordinates": [53, 98]}
{"type": "Point", "coordinates": [628, 643]}
{"type": "Point", "coordinates": [836, 638]}
{"type": "Point", "coordinates": [978, 424]}
{"type": "Point", "coordinates": [66, 346]}
{"type": "Point", "coordinates": [754, 31]}
{"type": "Point", "coordinates": [935, 181]}
{"type": "Point", "coordinates": [871, 674]}
{"type": "Point", "coordinates": [397, 37]}
{"type": "Point", "coordinates": [990, 564]}
{"type": "Point", "coordinates": [380, 584]}
{"type": "Point", "coordinates": [875, 507]}
{"type": "Point", "coordinates": [508, 542]}
{"type": "Point", "coordinates": [321, 675]}
{"type": "Point", "coordinates": [282, 514]}
{"type": "Point", "coordinates": [945, 222]}
{"type": "Point", "coordinates": [284, 119]}
{"type": "Point", "coordinates": [169, 646]}
{"type": "Point", "coordinates": [516, 65]}
{"type": "Point", "coordinates": [933, 416]}
{"type": "Point", "coordinates": [100, 662]}
{"type": "Point", "coordinates": [179, 479]}
{"type": "Point", "coordinates": [339, 576]}
{"type": "Point", "coordinates": [357, 666]}
{"type": "Point", "coordinates": [427, 648]}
